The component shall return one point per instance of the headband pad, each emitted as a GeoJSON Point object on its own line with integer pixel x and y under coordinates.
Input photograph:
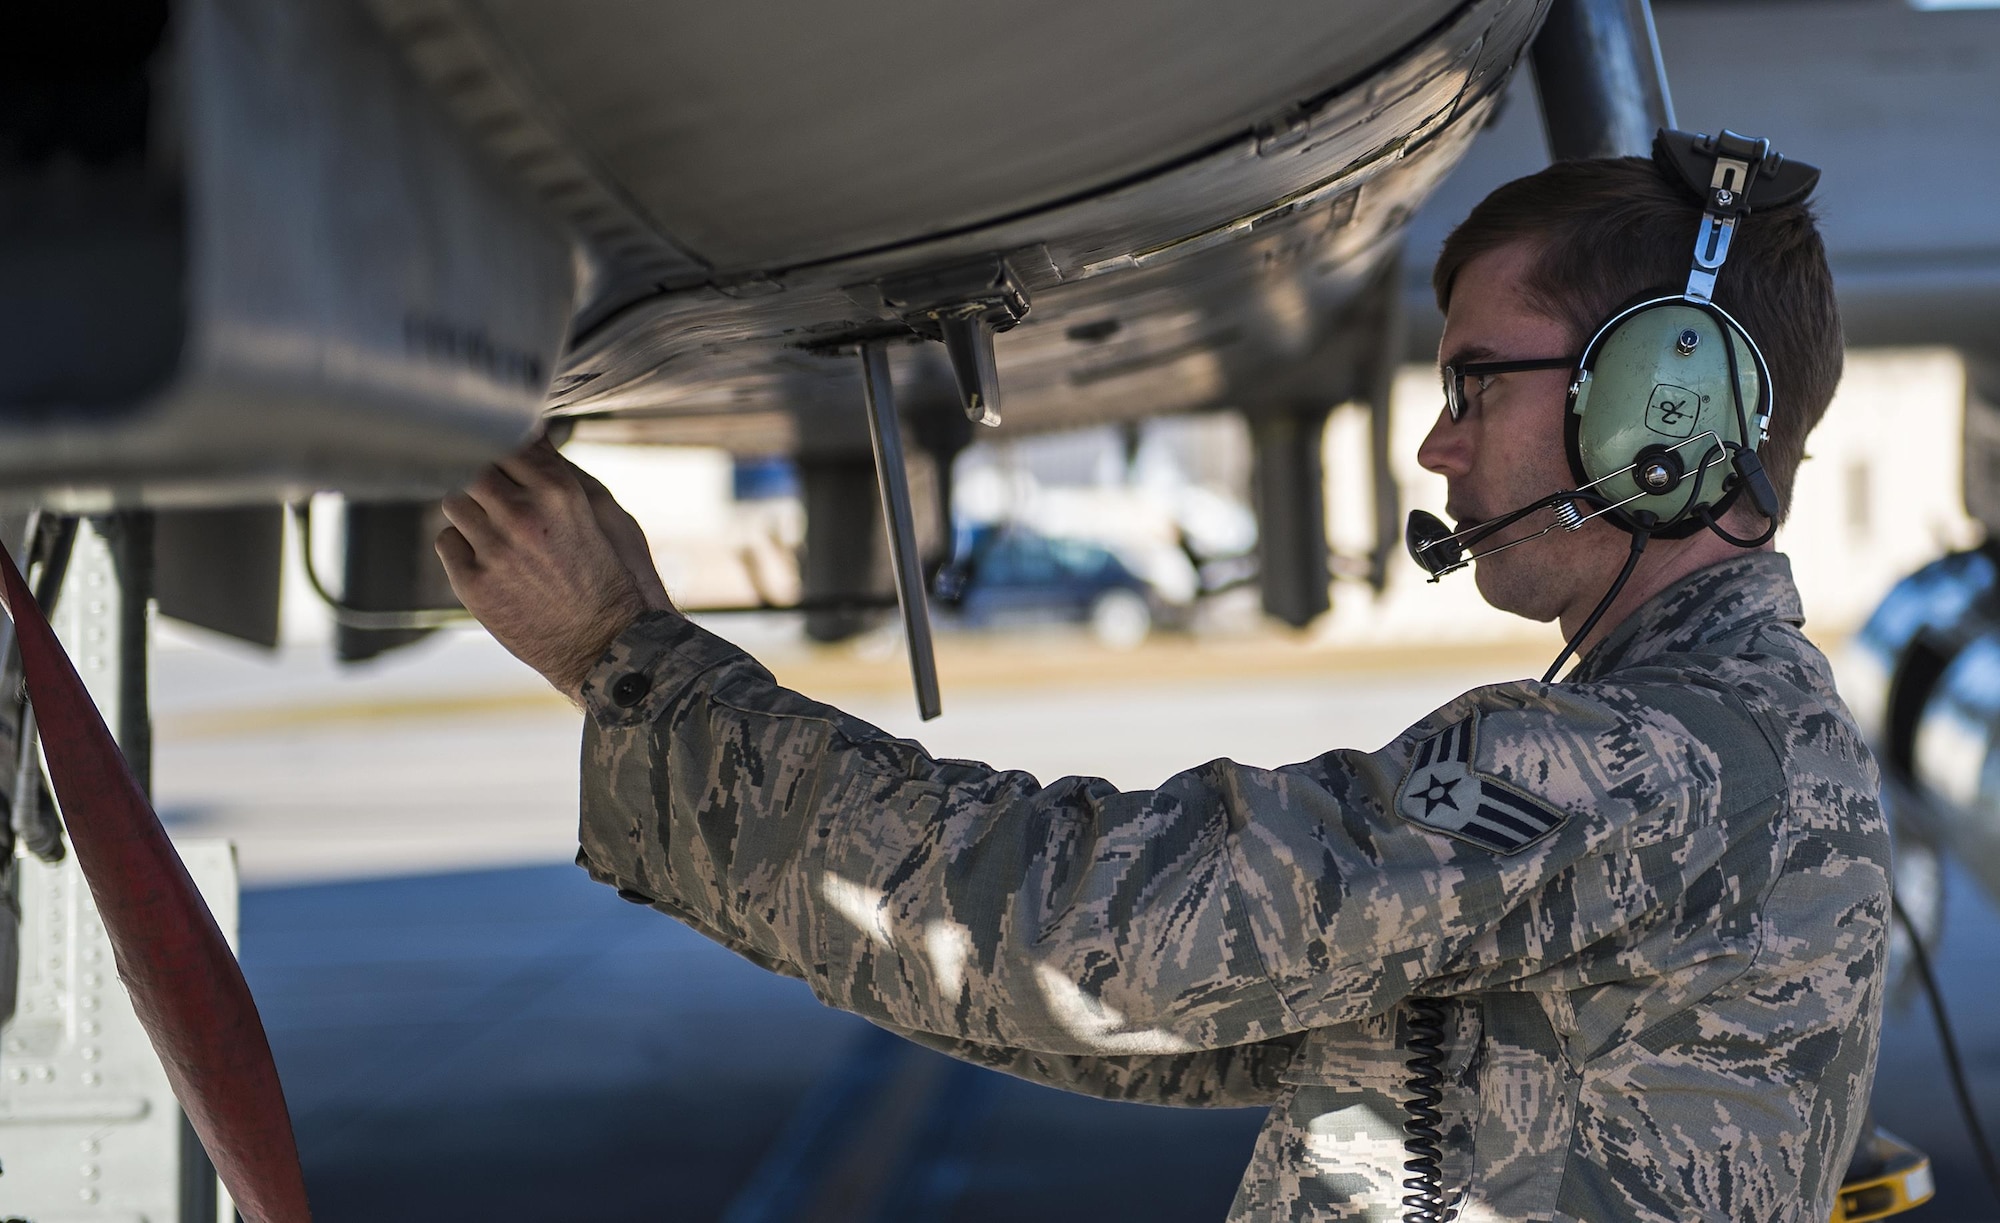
{"type": "Point", "coordinates": [1689, 159]}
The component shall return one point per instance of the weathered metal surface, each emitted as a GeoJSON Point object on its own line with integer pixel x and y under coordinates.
{"type": "Point", "coordinates": [293, 274]}
{"type": "Point", "coordinates": [1207, 282]}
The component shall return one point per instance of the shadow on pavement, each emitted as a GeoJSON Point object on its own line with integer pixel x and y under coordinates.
{"type": "Point", "coordinates": [521, 1045]}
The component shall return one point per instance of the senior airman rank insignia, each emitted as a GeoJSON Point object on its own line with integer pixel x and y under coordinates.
{"type": "Point", "coordinates": [1443, 792]}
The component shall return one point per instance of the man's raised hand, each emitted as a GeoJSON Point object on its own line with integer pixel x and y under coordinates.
{"type": "Point", "coordinates": [548, 562]}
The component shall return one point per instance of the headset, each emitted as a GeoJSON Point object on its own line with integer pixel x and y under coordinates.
{"type": "Point", "coordinates": [1672, 396]}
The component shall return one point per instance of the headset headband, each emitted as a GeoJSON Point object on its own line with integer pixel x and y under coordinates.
{"type": "Point", "coordinates": [1731, 175]}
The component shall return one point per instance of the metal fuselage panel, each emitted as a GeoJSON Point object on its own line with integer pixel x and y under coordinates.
{"type": "Point", "coordinates": [1182, 253]}
{"type": "Point", "coordinates": [767, 134]}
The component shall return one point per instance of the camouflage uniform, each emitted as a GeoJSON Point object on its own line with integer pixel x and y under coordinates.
{"type": "Point", "coordinates": [1653, 899]}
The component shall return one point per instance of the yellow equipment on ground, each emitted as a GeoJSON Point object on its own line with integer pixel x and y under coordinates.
{"type": "Point", "coordinates": [1887, 1178]}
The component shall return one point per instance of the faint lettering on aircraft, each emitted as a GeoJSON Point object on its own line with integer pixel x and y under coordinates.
{"type": "Point", "coordinates": [443, 340]}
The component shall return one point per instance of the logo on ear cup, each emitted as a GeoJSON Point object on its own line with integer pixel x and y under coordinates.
{"type": "Point", "coordinates": [1673, 410]}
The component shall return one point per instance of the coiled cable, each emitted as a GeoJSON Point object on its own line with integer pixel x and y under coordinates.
{"type": "Point", "coordinates": [1423, 1199]}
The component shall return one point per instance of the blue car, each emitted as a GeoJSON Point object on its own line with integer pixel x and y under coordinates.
{"type": "Point", "coordinates": [1008, 575]}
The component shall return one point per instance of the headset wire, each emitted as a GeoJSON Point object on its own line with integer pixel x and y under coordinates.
{"type": "Point", "coordinates": [1708, 520]}
{"type": "Point", "coordinates": [1742, 427]}
{"type": "Point", "coordinates": [1639, 539]}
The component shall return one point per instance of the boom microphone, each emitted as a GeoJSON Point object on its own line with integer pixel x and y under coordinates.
{"type": "Point", "coordinates": [1441, 550]}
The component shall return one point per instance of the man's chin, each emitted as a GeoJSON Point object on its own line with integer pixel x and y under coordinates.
{"type": "Point", "coordinates": [1514, 588]}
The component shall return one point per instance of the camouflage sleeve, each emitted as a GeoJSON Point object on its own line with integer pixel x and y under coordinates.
{"type": "Point", "coordinates": [1230, 906]}
{"type": "Point", "coordinates": [687, 917]}
{"type": "Point", "coordinates": [1244, 1076]}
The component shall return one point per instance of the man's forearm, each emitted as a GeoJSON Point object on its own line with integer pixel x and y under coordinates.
{"type": "Point", "coordinates": [928, 895]}
{"type": "Point", "coordinates": [682, 914]}
{"type": "Point", "coordinates": [627, 836]}
{"type": "Point", "coordinates": [1240, 1076]}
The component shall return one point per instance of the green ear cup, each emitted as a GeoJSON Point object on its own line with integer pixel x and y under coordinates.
{"type": "Point", "coordinates": [1655, 382]}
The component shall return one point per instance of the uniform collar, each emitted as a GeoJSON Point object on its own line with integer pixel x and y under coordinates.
{"type": "Point", "coordinates": [1701, 609]}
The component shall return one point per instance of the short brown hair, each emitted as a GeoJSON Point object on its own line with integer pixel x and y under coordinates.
{"type": "Point", "coordinates": [1611, 231]}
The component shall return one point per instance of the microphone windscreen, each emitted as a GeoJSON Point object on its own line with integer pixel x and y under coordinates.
{"type": "Point", "coordinates": [1429, 542]}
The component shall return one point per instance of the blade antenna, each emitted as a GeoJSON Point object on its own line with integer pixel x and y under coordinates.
{"type": "Point", "coordinates": [886, 436]}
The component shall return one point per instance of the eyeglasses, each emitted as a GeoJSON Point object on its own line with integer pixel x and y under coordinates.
{"type": "Point", "coordinates": [1455, 400]}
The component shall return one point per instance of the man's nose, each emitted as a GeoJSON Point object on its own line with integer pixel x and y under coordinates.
{"type": "Point", "coordinates": [1447, 450]}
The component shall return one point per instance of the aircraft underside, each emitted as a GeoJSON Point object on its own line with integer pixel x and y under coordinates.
{"type": "Point", "coordinates": [320, 248]}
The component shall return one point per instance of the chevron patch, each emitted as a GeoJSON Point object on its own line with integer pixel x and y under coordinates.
{"type": "Point", "coordinates": [1443, 793]}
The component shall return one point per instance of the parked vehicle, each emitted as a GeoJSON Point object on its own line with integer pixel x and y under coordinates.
{"type": "Point", "coordinates": [1004, 575]}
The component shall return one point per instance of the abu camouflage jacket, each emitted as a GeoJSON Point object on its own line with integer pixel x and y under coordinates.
{"type": "Point", "coordinates": [1653, 897]}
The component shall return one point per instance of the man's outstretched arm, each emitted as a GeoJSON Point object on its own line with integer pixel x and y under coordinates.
{"type": "Point", "coordinates": [540, 551]}
{"type": "Point", "coordinates": [1230, 906]}
{"type": "Point", "coordinates": [937, 896]}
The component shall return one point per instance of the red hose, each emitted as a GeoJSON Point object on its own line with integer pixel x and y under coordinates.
{"type": "Point", "coordinates": [185, 984]}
